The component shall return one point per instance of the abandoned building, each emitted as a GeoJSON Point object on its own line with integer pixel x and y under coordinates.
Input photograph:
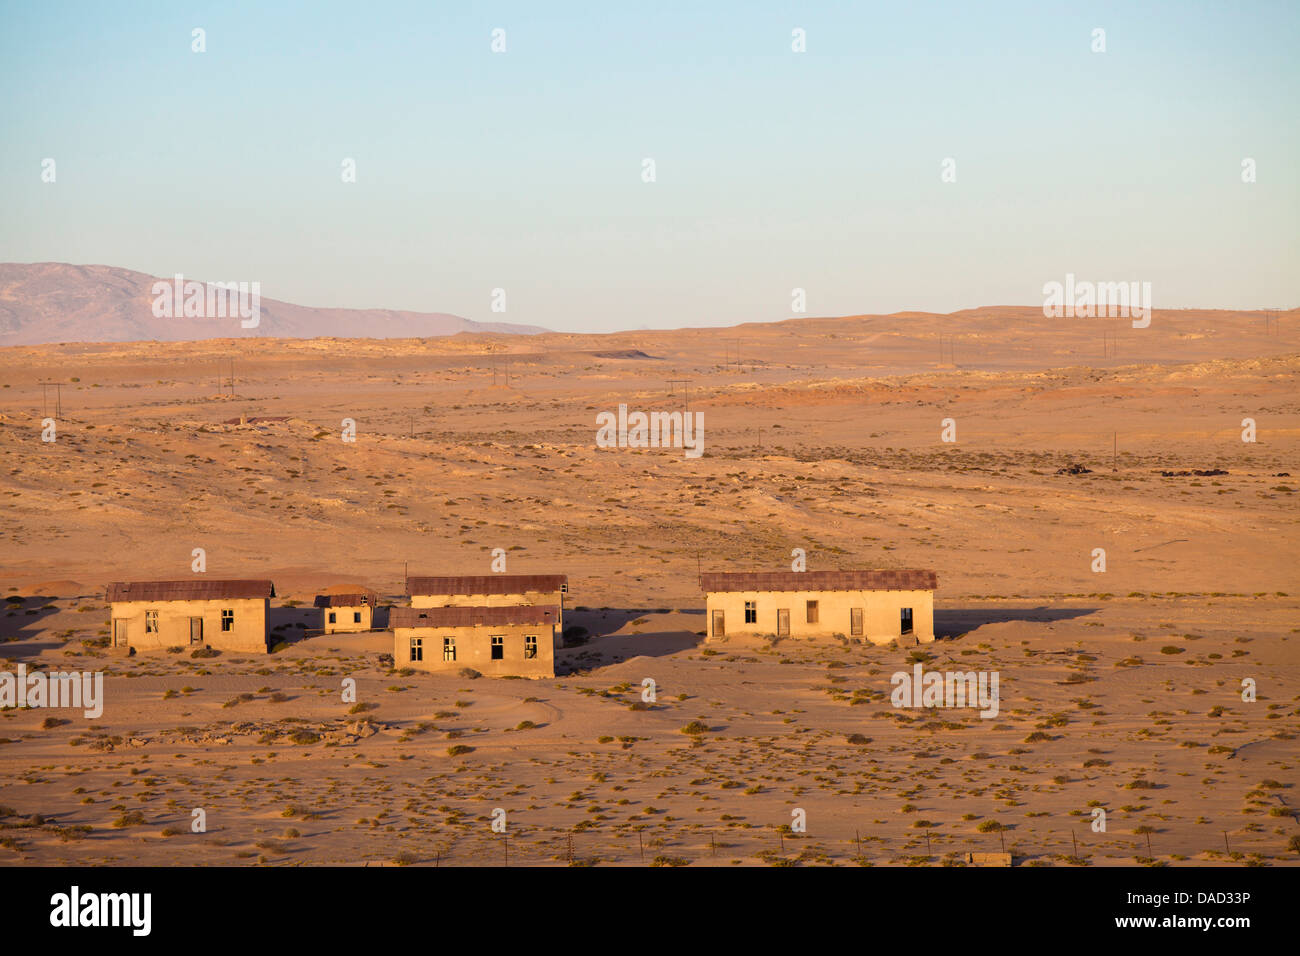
{"type": "Point", "coordinates": [876, 606]}
{"type": "Point", "coordinates": [501, 641]}
{"type": "Point", "coordinates": [226, 615]}
{"type": "Point", "coordinates": [347, 613]}
{"type": "Point", "coordinates": [492, 590]}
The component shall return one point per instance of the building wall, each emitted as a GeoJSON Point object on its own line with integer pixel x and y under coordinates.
{"type": "Point", "coordinates": [531, 598]}
{"type": "Point", "coordinates": [250, 631]}
{"type": "Point", "coordinates": [881, 617]}
{"type": "Point", "coordinates": [474, 649]}
{"type": "Point", "coordinates": [343, 623]}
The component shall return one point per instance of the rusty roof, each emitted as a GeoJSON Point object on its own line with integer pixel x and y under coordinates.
{"type": "Point", "coordinates": [487, 584]}
{"type": "Point", "coordinates": [542, 614]}
{"type": "Point", "coordinates": [879, 580]}
{"type": "Point", "coordinates": [197, 589]}
{"type": "Point", "coordinates": [355, 599]}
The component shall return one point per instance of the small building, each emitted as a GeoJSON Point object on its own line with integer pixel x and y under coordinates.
{"type": "Point", "coordinates": [507, 641]}
{"type": "Point", "coordinates": [227, 615]}
{"type": "Point", "coordinates": [876, 606]}
{"type": "Point", "coordinates": [492, 590]}
{"type": "Point", "coordinates": [347, 613]}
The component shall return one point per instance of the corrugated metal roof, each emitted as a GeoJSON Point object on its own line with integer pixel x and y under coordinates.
{"type": "Point", "coordinates": [539, 614]}
{"type": "Point", "coordinates": [347, 600]}
{"type": "Point", "coordinates": [884, 580]}
{"type": "Point", "coordinates": [197, 589]}
{"type": "Point", "coordinates": [487, 584]}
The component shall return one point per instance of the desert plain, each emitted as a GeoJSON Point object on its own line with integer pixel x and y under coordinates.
{"type": "Point", "coordinates": [1120, 689]}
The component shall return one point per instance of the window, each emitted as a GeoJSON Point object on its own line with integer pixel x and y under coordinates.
{"type": "Point", "coordinates": [151, 622]}
{"type": "Point", "coordinates": [356, 617]}
{"type": "Point", "coordinates": [227, 620]}
{"type": "Point", "coordinates": [905, 620]}
{"type": "Point", "coordinates": [855, 621]}
{"type": "Point", "coordinates": [332, 617]}
{"type": "Point", "coordinates": [812, 612]}
{"type": "Point", "coordinates": [417, 648]}
{"type": "Point", "coordinates": [530, 646]}
{"type": "Point", "coordinates": [498, 647]}
{"type": "Point", "coordinates": [449, 648]}
{"type": "Point", "coordinates": [751, 612]}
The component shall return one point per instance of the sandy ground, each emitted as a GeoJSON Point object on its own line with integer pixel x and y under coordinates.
{"type": "Point", "coordinates": [1119, 689]}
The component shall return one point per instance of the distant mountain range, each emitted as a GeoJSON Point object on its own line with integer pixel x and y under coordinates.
{"type": "Point", "coordinates": [46, 302]}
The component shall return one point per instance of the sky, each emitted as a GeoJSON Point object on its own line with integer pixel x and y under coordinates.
{"type": "Point", "coordinates": [774, 170]}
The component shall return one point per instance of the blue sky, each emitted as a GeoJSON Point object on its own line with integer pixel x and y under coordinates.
{"type": "Point", "coordinates": [775, 170]}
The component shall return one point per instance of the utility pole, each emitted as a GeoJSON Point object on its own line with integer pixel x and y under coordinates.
{"type": "Point", "coordinates": [684, 384]}
{"type": "Point", "coordinates": [45, 398]}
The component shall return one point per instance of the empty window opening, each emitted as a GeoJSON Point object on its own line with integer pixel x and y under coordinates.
{"type": "Point", "coordinates": [333, 617]}
{"type": "Point", "coordinates": [356, 617]}
{"type": "Point", "coordinates": [530, 646]}
{"type": "Point", "coordinates": [905, 620]}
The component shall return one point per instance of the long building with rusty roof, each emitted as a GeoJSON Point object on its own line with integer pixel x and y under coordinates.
{"type": "Point", "coordinates": [491, 590]}
{"type": "Point", "coordinates": [196, 613]}
{"type": "Point", "coordinates": [877, 605]}
{"type": "Point", "coordinates": [516, 640]}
